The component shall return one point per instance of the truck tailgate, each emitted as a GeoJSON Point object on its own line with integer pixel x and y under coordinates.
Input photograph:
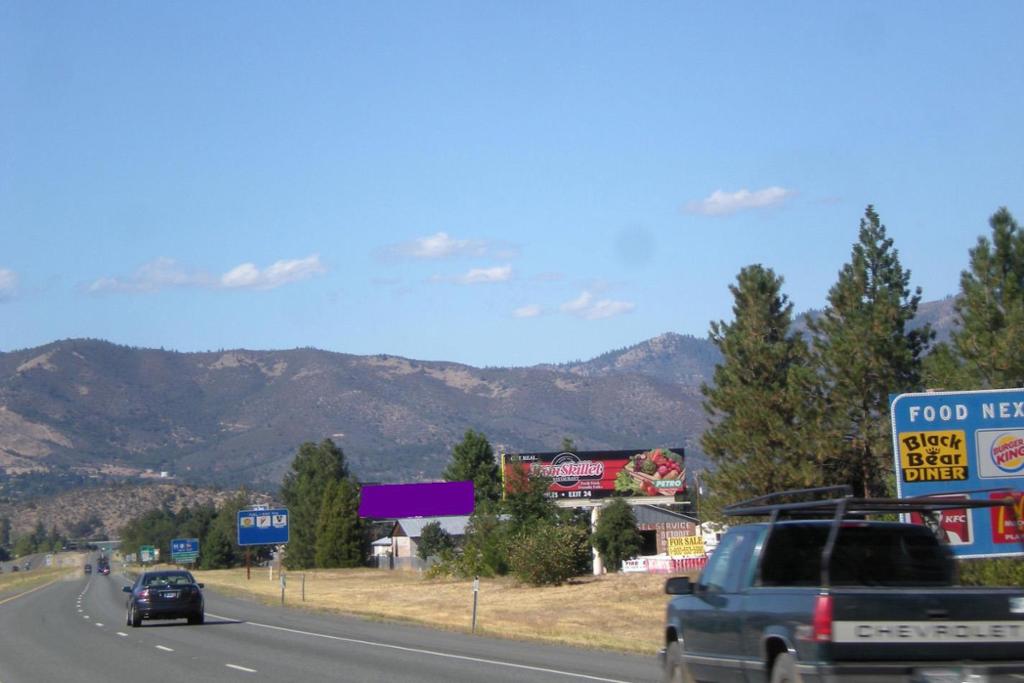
{"type": "Point", "coordinates": [930, 624]}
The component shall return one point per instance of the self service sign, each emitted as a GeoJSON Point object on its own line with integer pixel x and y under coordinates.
{"type": "Point", "coordinates": [964, 444]}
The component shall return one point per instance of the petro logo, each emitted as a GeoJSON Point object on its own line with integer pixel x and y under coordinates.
{"type": "Point", "coordinates": [1008, 453]}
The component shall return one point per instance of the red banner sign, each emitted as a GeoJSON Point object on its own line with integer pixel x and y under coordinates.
{"type": "Point", "coordinates": [598, 474]}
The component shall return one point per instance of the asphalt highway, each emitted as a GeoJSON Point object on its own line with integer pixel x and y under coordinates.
{"type": "Point", "coordinates": [74, 630]}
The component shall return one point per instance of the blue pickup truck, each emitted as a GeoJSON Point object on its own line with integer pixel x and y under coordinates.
{"type": "Point", "coordinates": [820, 592]}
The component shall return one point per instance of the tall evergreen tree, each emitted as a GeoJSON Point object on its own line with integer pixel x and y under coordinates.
{"type": "Point", "coordinates": [991, 310]}
{"type": "Point", "coordinates": [473, 460]}
{"type": "Point", "coordinates": [762, 404]}
{"type": "Point", "coordinates": [341, 537]}
{"type": "Point", "coordinates": [865, 352]}
{"type": "Point", "coordinates": [5, 531]}
{"type": "Point", "coordinates": [303, 493]}
{"type": "Point", "coordinates": [526, 501]}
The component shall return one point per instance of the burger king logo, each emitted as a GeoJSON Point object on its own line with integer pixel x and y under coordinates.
{"type": "Point", "coordinates": [1007, 453]}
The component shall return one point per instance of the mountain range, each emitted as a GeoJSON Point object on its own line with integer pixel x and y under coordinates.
{"type": "Point", "coordinates": [81, 411]}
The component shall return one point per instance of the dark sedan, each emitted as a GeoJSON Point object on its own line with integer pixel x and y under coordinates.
{"type": "Point", "coordinates": [171, 594]}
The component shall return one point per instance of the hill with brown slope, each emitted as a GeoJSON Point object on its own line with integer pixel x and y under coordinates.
{"type": "Point", "coordinates": [100, 512]}
{"type": "Point", "coordinates": [85, 408]}
{"type": "Point", "coordinates": [79, 412]}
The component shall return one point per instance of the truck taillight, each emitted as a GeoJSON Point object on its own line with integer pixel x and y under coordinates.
{"type": "Point", "coordinates": [821, 622]}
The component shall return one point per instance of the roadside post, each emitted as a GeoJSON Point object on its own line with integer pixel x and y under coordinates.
{"type": "Point", "coordinates": [476, 592]}
{"type": "Point", "coordinates": [283, 582]}
{"type": "Point", "coordinates": [261, 525]}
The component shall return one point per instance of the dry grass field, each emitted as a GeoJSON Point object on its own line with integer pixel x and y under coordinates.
{"type": "Point", "coordinates": [15, 583]}
{"type": "Point", "coordinates": [621, 611]}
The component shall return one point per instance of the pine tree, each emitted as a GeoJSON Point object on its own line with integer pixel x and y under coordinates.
{"type": "Point", "coordinates": [303, 493]}
{"type": "Point", "coordinates": [763, 403]}
{"type": "Point", "coordinates": [526, 501]}
{"type": "Point", "coordinates": [473, 460]}
{"type": "Point", "coordinates": [341, 535]}
{"type": "Point", "coordinates": [616, 537]}
{"type": "Point", "coordinates": [865, 353]}
{"type": "Point", "coordinates": [991, 309]}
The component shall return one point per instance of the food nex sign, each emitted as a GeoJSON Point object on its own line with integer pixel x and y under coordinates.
{"type": "Point", "coordinates": [950, 443]}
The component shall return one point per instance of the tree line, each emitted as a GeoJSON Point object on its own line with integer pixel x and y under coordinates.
{"type": "Point", "coordinates": [789, 410]}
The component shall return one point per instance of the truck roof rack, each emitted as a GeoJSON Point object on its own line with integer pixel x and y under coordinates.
{"type": "Point", "coordinates": [838, 502]}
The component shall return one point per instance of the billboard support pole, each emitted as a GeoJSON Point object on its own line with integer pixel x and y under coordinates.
{"type": "Point", "coordinates": [595, 513]}
{"type": "Point", "coordinates": [248, 574]}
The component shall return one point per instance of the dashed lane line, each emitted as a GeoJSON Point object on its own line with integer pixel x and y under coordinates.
{"type": "Point", "coordinates": [165, 649]}
{"type": "Point", "coordinates": [432, 653]}
{"type": "Point", "coordinates": [240, 668]}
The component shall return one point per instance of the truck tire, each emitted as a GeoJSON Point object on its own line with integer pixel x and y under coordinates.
{"type": "Point", "coordinates": [676, 670]}
{"type": "Point", "coordinates": [784, 670]}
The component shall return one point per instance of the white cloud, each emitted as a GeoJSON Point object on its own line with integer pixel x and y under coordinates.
{"type": "Point", "coordinates": [528, 311]}
{"type": "Point", "coordinates": [584, 306]}
{"type": "Point", "coordinates": [437, 246]}
{"type": "Point", "coordinates": [721, 203]}
{"type": "Point", "coordinates": [478, 276]}
{"type": "Point", "coordinates": [277, 274]}
{"type": "Point", "coordinates": [160, 273]}
{"type": "Point", "coordinates": [441, 245]}
{"type": "Point", "coordinates": [8, 283]}
{"type": "Point", "coordinates": [166, 273]}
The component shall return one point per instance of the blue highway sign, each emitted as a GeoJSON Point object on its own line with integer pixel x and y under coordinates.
{"type": "Point", "coordinates": [184, 550]}
{"type": "Point", "coordinates": [966, 444]}
{"type": "Point", "coordinates": [263, 527]}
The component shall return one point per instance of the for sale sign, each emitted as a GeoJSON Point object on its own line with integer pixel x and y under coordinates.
{"type": "Point", "coordinates": [968, 444]}
{"type": "Point", "coordinates": [686, 546]}
{"type": "Point", "coordinates": [599, 474]}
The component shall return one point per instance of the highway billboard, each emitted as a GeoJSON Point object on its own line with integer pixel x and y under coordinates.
{"type": "Point", "coordinates": [600, 474]}
{"type": "Point", "coordinates": [967, 444]}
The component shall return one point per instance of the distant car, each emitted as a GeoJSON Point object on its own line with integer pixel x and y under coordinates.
{"type": "Point", "coordinates": [88, 569]}
{"type": "Point", "coordinates": [104, 569]}
{"type": "Point", "coordinates": [14, 568]}
{"type": "Point", "coordinates": [170, 594]}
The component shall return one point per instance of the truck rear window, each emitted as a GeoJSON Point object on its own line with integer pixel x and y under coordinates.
{"type": "Point", "coordinates": [870, 555]}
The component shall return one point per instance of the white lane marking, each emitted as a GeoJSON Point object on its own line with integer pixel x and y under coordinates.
{"type": "Point", "coordinates": [98, 623]}
{"type": "Point", "coordinates": [85, 616]}
{"type": "Point", "coordinates": [240, 668]}
{"type": "Point", "coordinates": [416, 650]}
{"type": "Point", "coordinates": [123, 635]}
{"type": "Point", "coordinates": [80, 611]}
{"type": "Point", "coordinates": [165, 649]}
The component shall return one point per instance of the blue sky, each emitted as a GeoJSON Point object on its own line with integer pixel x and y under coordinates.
{"type": "Point", "coordinates": [487, 183]}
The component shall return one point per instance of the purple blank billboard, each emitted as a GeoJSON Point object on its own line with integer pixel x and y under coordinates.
{"type": "Point", "coordinates": [392, 501]}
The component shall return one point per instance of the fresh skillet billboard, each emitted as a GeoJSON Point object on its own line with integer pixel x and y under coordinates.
{"type": "Point", "coordinates": [601, 474]}
{"type": "Point", "coordinates": [964, 444]}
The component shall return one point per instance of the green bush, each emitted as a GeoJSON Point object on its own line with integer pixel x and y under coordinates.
{"type": "Point", "coordinates": [994, 571]}
{"type": "Point", "coordinates": [548, 553]}
{"type": "Point", "coordinates": [434, 541]}
{"type": "Point", "coordinates": [616, 536]}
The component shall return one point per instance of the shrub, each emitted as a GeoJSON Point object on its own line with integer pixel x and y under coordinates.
{"type": "Point", "coordinates": [994, 571]}
{"type": "Point", "coordinates": [548, 553]}
{"type": "Point", "coordinates": [434, 541]}
{"type": "Point", "coordinates": [616, 536]}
